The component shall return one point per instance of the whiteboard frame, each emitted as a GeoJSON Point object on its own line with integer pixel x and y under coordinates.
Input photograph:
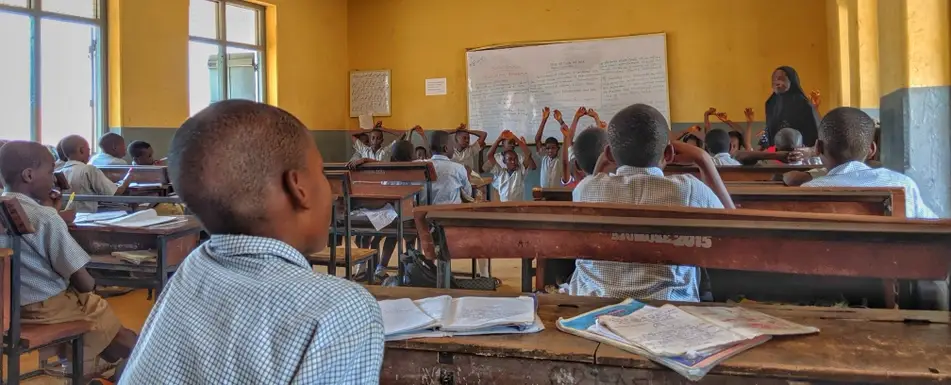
{"type": "Point", "coordinates": [552, 42]}
{"type": "Point", "coordinates": [389, 93]}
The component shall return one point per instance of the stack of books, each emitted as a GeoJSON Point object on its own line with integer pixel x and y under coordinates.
{"type": "Point", "coordinates": [444, 316]}
{"type": "Point", "coordinates": [691, 340]}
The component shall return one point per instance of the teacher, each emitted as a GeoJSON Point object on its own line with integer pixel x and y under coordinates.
{"type": "Point", "coordinates": [788, 106]}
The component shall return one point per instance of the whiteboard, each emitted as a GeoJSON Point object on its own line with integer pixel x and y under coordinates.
{"type": "Point", "coordinates": [508, 87]}
{"type": "Point", "coordinates": [370, 92]}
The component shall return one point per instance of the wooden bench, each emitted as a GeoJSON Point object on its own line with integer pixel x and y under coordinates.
{"type": "Point", "coordinates": [858, 346]}
{"type": "Point", "coordinates": [750, 240]}
{"type": "Point", "coordinates": [14, 224]}
{"type": "Point", "coordinates": [742, 173]}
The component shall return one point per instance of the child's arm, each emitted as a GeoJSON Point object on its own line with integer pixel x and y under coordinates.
{"type": "Point", "coordinates": [123, 184]}
{"type": "Point", "coordinates": [354, 164]}
{"type": "Point", "coordinates": [480, 135]}
{"type": "Point", "coordinates": [751, 157]}
{"type": "Point", "coordinates": [708, 171]}
{"type": "Point", "coordinates": [422, 135]}
{"type": "Point", "coordinates": [796, 178]}
{"type": "Point", "coordinates": [749, 128]}
{"type": "Point", "coordinates": [396, 133]}
{"type": "Point", "coordinates": [815, 99]}
{"type": "Point", "coordinates": [490, 162]}
{"type": "Point", "coordinates": [726, 119]}
{"type": "Point", "coordinates": [541, 127]}
{"type": "Point", "coordinates": [604, 164]}
{"type": "Point", "coordinates": [594, 114]}
{"type": "Point", "coordinates": [529, 161]}
{"type": "Point", "coordinates": [706, 118]}
{"type": "Point", "coordinates": [82, 281]}
{"type": "Point", "coordinates": [565, 170]}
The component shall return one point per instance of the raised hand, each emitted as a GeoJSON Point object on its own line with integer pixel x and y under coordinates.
{"type": "Point", "coordinates": [815, 98]}
{"type": "Point", "coordinates": [749, 114]}
{"type": "Point", "coordinates": [558, 116]}
{"type": "Point", "coordinates": [565, 131]}
{"type": "Point", "coordinates": [462, 127]}
{"type": "Point", "coordinates": [581, 112]}
{"type": "Point", "coordinates": [418, 129]}
{"type": "Point", "coordinates": [711, 111]}
{"type": "Point", "coordinates": [722, 116]}
{"type": "Point", "coordinates": [546, 112]}
{"type": "Point", "coordinates": [379, 124]}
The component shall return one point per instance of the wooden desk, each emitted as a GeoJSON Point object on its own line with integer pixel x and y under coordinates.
{"type": "Point", "coordinates": [147, 180]}
{"type": "Point", "coordinates": [854, 346]}
{"type": "Point", "coordinates": [751, 240]}
{"type": "Point", "coordinates": [484, 182]}
{"type": "Point", "coordinates": [172, 241]}
{"type": "Point", "coordinates": [375, 195]}
{"type": "Point", "coordinates": [741, 173]}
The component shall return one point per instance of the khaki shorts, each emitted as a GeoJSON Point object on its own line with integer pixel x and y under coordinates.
{"type": "Point", "coordinates": [69, 306]}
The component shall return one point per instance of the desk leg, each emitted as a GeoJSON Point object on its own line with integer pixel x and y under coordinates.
{"type": "Point", "coordinates": [162, 266]}
{"type": "Point", "coordinates": [526, 275]}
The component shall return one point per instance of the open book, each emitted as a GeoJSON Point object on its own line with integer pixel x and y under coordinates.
{"type": "Point", "coordinates": [144, 218]}
{"type": "Point", "coordinates": [444, 316]}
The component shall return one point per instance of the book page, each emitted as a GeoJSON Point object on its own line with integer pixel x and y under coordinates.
{"type": "Point", "coordinates": [96, 217]}
{"type": "Point", "coordinates": [144, 218]}
{"type": "Point", "coordinates": [469, 313]}
{"type": "Point", "coordinates": [746, 322]}
{"type": "Point", "coordinates": [402, 315]}
{"type": "Point", "coordinates": [668, 331]}
{"type": "Point", "coordinates": [435, 307]}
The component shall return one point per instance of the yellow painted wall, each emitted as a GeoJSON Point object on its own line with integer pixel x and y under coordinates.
{"type": "Point", "coordinates": [148, 52]}
{"type": "Point", "coordinates": [720, 52]}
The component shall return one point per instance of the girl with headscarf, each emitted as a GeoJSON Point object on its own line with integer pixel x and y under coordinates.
{"type": "Point", "coordinates": [789, 106]}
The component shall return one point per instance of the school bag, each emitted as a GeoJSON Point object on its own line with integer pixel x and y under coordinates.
{"type": "Point", "coordinates": [421, 272]}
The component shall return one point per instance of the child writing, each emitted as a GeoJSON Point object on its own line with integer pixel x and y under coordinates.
{"type": "Point", "coordinates": [86, 179]}
{"type": "Point", "coordinates": [639, 147]}
{"type": "Point", "coordinates": [111, 151]}
{"type": "Point", "coordinates": [247, 300]}
{"type": "Point", "coordinates": [54, 284]}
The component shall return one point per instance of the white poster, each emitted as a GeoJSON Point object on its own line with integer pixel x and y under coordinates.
{"type": "Point", "coordinates": [435, 86]}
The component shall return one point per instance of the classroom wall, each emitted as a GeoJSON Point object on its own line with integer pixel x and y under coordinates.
{"type": "Point", "coordinates": [720, 52]}
{"type": "Point", "coordinates": [148, 74]}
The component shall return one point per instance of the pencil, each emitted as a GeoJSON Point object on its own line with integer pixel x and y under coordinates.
{"type": "Point", "coordinates": [69, 203]}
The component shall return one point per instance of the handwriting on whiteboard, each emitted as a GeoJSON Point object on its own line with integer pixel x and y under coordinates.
{"type": "Point", "coordinates": [676, 240]}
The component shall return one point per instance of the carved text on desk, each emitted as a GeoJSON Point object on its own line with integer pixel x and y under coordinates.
{"type": "Point", "coordinates": [676, 240]}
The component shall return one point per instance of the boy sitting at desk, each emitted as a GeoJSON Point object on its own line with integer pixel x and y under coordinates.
{"type": "Point", "coordinates": [464, 153]}
{"type": "Point", "coordinates": [639, 146]}
{"type": "Point", "coordinates": [790, 140]}
{"type": "Point", "coordinates": [143, 155]}
{"type": "Point", "coordinates": [718, 145]}
{"type": "Point", "coordinates": [508, 177]}
{"type": "Point", "coordinates": [245, 306]}
{"type": "Point", "coordinates": [375, 149]}
{"type": "Point", "coordinates": [845, 142]}
{"type": "Point", "coordinates": [111, 151]}
{"type": "Point", "coordinates": [86, 179]}
{"type": "Point", "coordinates": [54, 284]}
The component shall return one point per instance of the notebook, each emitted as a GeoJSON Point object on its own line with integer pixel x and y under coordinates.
{"type": "Point", "coordinates": [458, 316]}
{"type": "Point", "coordinates": [136, 257]}
{"type": "Point", "coordinates": [96, 217]}
{"type": "Point", "coordinates": [144, 218]}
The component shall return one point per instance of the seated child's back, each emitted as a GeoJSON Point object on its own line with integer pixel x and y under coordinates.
{"type": "Point", "coordinates": [638, 143]}
{"type": "Point", "coordinates": [845, 142]}
{"type": "Point", "coordinates": [245, 307]}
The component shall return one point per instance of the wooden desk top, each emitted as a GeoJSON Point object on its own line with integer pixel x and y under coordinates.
{"type": "Point", "coordinates": [4, 253]}
{"type": "Point", "coordinates": [477, 184]}
{"type": "Point", "coordinates": [188, 223]}
{"type": "Point", "coordinates": [377, 191]}
{"type": "Point", "coordinates": [860, 345]}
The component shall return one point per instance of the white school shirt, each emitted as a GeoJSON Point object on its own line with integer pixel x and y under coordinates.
{"type": "Point", "coordinates": [86, 179]}
{"type": "Point", "coordinates": [451, 180]}
{"type": "Point", "coordinates": [468, 157]}
{"type": "Point", "coordinates": [382, 155]}
{"type": "Point", "coordinates": [640, 186]}
{"type": "Point", "coordinates": [510, 185]}
{"type": "Point", "coordinates": [551, 172]}
{"type": "Point", "coordinates": [725, 159]}
{"type": "Point", "coordinates": [103, 159]}
{"type": "Point", "coordinates": [858, 174]}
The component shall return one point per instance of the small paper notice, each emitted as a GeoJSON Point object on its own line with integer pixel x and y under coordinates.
{"type": "Point", "coordinates": [435, 87]}
{"type": "Point", "coordinates": [366, 121]}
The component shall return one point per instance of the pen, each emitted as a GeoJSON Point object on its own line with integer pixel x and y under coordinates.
{"type": "Point", "coordinates": [69, 203]}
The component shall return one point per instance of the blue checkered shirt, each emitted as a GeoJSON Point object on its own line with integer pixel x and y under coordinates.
{"type": "Point", "coordinates": [249, 310]}
{"type": "Point", "coordinates": [858, 174]}
{"type": "Point", "coordinates": [640, 186]}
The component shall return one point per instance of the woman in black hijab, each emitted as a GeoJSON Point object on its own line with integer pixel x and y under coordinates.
{"type": "Point", "coordinates": [789, 106]}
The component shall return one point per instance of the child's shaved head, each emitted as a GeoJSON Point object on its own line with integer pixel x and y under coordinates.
{"type": "Point", "coordinates": [788, 139]}
{"type": "Point", "coordinates": [26, 167]}
{"type": "Point", "coordinates": [847, 135]}
{"type": "Point", "coordinates": [588, 146]}
{"type": "Point", "coordinates": [237, 164]}
{"type": "Point", "coordinates": [638, 135]}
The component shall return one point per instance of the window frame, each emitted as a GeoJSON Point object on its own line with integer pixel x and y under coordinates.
{"type": "Point", "coordinates": [221, 41]}
{"type": "Point", "coordinates": [34, 10]}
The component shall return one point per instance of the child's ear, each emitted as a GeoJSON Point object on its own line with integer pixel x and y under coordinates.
{"type": "Point", "coordinates": [297, 192]}
{"type": "Point", "coordinates": [608, 155]}
{"type": "Point", "coordinates": [669, 153]}
{"type": "Point", "coordinates": [821, 147]}
{"type": "Point", "coordinates": [873, 149]}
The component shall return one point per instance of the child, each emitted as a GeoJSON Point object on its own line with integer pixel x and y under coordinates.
{"type": "Point", "coordinates": [508, 178]}
{"type": "Point", "coordinates": [639, 146]}
{"type": "Point", "coordinates": [581, 153]}
{"type": "Point", "coordinates": [365, 140]}
{"type": "Point", "coordinates": [246, 300]}
{"type": "Point", "coordinates": [464, 153]}
{"type": "Point", "coordinates": [142, 154]}
{"type": "Point", "coordinates": [420, 153]}
{"type": "Point", "coordinates": [86, 179]}
{"type": "Point", "coordinates": [789, 139]}
{"type": "Point", "coordinates": [55, 286]}
{"type": "Point", "coordinates": [375, 149]}
{"type": "Point", "coordinates": [845, 142]}
{"type": "Point", "coordinates": [718, 145]}
{"type": "Point", "coordinates": [552, 171]}
{"type": "Point", "coordinates": [111, 151]}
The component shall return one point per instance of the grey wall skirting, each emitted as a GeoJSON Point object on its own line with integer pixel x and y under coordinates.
{"type": "Point", "coordinates": [916, 140]}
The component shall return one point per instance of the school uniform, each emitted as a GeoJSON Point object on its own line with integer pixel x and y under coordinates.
{"type": "Point", "coordinates": [551, 172]}
{"type": "Point", "coordinates": [249, 310]}
{"type": "Point", "coordinates": [451, 180]}
{"type": "Point", "coordinates": [500, 157]}
{"type": "Point", "coordinates": [468, 157]}
{"type": "Point", "coordinates": [640, 186]}
{"type": "Point", "coordinates": [86, 179]}
{"type": "Point", "coordinates": [48, 257]}
{"type": "Point", "coordinates": [725, 159]}
{"type": "Point", "coordinates": [858, 174]}
{"type": "Point", "coordinates": [103, 159]}
{"type": "Point", "coordinates": [382, 155]}
{"type": "Point", "coordinates": [509, 184]}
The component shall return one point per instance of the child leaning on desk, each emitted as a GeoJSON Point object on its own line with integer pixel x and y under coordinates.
{"type": "Point", "coordinates": [638, 148]}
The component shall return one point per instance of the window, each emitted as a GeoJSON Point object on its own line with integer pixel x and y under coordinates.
{"type": "Point", "coordinates": [225, 52]}
{"type": "Point", "coordinates": [51, 76]}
